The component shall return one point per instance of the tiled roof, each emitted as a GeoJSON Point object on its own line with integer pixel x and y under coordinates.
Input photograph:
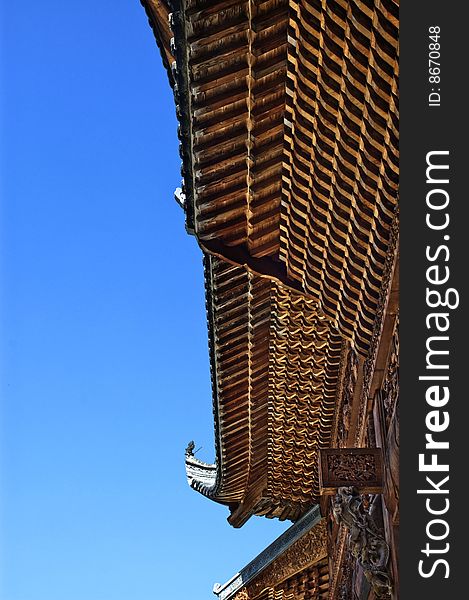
{"type": "Point", "coordinates": [288, 127]}
{"type": "Point", "coordinates": [275, 361]}
{"type": "Point", "coordinates": [289, 137]}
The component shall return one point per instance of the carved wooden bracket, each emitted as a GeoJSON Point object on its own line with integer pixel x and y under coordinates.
{"type": "Point", "coordinates": [361, 468]}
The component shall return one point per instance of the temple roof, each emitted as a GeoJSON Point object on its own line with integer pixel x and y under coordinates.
{"type": "Point", "coordinates": [289, 144]}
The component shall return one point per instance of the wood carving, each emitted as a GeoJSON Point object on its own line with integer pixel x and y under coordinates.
{"type": "Point", "coordinates": [390, 388]}
{"type": "Point", "coordinates": [344, 409]}
{"type": "Point", "coordinates": [308, 550]}
{"type": "Point", "coordinates": [358, 467]}
{"type": "Point", "coordinates": [339, 550]}
{"type": "Point", "coordinates": [367, 544]}
{"type": "Point", "coordinates": [344, 589]}
{"type": "Point", "coordinates": [368, 369]}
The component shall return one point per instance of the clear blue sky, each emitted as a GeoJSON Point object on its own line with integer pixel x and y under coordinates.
{"type": "Point", "coordinates": [103, 351]}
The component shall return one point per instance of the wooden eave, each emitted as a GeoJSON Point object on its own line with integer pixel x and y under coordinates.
{"type": "Point", "coordinates": [288, 127]}
{"type": "Point", "coordinates": [289, 141]}
{"type": "Point", "coordinates": [275, 363]}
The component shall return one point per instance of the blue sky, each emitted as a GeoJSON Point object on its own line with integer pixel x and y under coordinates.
{"type": "Point", "coordinates": [103, 351]}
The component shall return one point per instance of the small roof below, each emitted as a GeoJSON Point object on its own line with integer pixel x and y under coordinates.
{"type": "Point", "coordinates": [274, 564]}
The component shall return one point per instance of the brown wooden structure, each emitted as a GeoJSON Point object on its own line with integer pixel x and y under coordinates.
{"type": "Point", "coordinates": [288, 127]}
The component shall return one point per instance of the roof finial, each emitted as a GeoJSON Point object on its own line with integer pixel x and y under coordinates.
{"type": "Point", "coordinates": [190, 448]}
